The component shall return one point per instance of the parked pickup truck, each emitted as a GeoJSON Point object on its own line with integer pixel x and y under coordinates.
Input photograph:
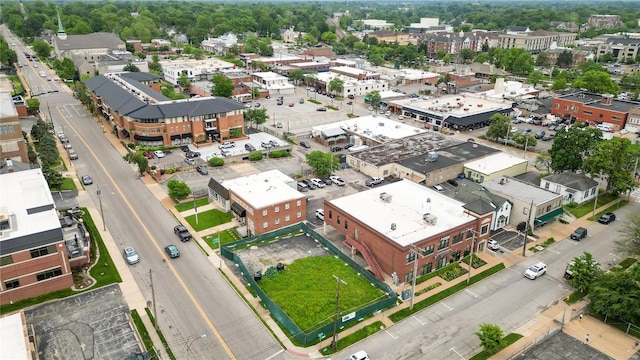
{"type": "Point", "coordinates": [227, 145]}
{"type": "Point", "coordinates": [182, 233]}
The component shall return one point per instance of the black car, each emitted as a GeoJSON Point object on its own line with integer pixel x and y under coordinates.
{"type": "Point", "coordinates": [335, 148]}
{"type": "Point", "coordinates": [321, 109]}
{"type": "Point", "coordinates": [185, 149]}
{"type": "Point", "coordinates": [309, 184]}
{"type": "Point", "coordinates": [202, 170]}
{"type": "Point", "coordinates": [305, 144]}
{"type": "Point", "coordinates": [182, 232]}
{"type": "Point", "coordinates": [346, 146]}
{"type": "Point", "coordinates": [452, 182]}
{"type": "Point", "coordinates": [249, 147]}
{"type": "Point", "coordinates": [607, 218]}
{"type": "Point", "coordinates": [192, 154]}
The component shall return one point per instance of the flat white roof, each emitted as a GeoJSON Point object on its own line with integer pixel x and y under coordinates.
{"type": "Point", "coordinates": [12, 342]}
{"type": "Point", "coordinates": [311, 63]}
{"type": "Point", "coordinates": [263, 189]}
{"type": "Point", "coordinates": [413, 74]}
{"type": "Point", "coordinates": [26, 195]}
{"type": "Point", "coordinates": [408, 204]}
{"type": "Point", "coordinates": [7, 109]}
{"type": "Point", "coordinates": [460, 105]}
{"type": "Point", "coordinates": [352, 70]}
{"type": "Point", "coordinates": [494, 163]}
{"type": "Point", "coordinates": [269, 75]}
{"type": "Point", "coordinates": [348, 81]}
{"type": "Point", "coordinates": [212, 63]}
{"type": "Point", "coordinates": [378, 128]}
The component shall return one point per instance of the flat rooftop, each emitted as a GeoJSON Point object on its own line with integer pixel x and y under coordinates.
{"type": "Point", "coordinates": [518, 189]}
{"type": "Point", "coordinates": [352, 70]}
{"type": "Point", "coordinates": [408, 204]}
{"type": "Point", "coordinates": [264, 189]}
{"type": "Point", "coordinates": [494, 163]}
{"type": "Point", "coordinates": [7, 107]}
{"type": "Point", "coordinates": [377, 128]}
{"type": "Point", "coordinates": [26, 195]}
{"type": "Point", "coordinates": [448, 156]}
{"type": "Point", "coordinates": [12, 342]}
{"type": "Point", "coordinates": [398, 150]}
{"type": "Point", "coordinates": [459, 105]}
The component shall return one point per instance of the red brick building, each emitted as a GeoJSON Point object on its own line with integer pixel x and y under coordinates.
{"type": "Point", "coordinates": [393, 225]}
{"type": "Point", "coordinates": [583, 106]}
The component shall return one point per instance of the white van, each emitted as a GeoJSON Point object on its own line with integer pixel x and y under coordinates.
{"type": "Point", "coordinates": [320, 214]}
{"type": "Point", "coordinates": [42, 73]}
{"type": "Point", "coordinates": [605, 127]}
{"type": "Point", "coordinates": [360, 355]}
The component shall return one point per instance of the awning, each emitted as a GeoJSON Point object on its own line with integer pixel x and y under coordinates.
{"type": "Point", "coordinates": [147, 138]}
{"type": "Point", "coordinates": [548, 217]}
{"type": "Point", "coordinates": [124, 132]}
{"type": "Point", "coordinates": [327, 133]}
{"type": "Point", "coordinates": [183, 136]}
{"type": "Point", "coordinates": [238, 209]}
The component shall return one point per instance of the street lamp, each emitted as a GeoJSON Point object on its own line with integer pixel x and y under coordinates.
{"type": "Point", "coordinates": [192, 341]}
{"type": "Point", "coordinates": [104, 224]}
{"type": "Point", "coordinates": [473, 243]}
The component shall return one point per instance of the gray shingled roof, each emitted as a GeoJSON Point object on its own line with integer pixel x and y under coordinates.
{"type": "Point", "coordinates": [479, 206]}
{"type": "Point", "coordinates": [139, 76]}
{"type": "Point", "coordinates": [190, 107]}
{"type": "Point", "coordinates": [89, 41]}
{"type": "Point", "coordinates": [572, 180]}
{"type": "Point", "coordinates": [114, 96]}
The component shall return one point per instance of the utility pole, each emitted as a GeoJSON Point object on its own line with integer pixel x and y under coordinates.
{"type": "Point", "coordinates": [595, 203]}
{"type": "Point", "coordinates": [473, 243]}
{"type": "Point", "coordinates": [153, 299]}
{"type": "Point", "coordinates": [417, 255]}
{"type": "Point", "coordinates": [526, 229]}
{"type": "Point", "coordinates": [334, 342]}
{"type": "Point", "coordinates": [104, 224]}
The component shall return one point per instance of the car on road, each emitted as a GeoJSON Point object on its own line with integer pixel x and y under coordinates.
{"type": "Point", "coordinates": [337, 180]}
{"type": "Point", "coordinates": [318, 183]}
{"type": "Point", "coordinates": [86, 179]}
{"type": "Point", "coordinates": [305, 144]}
{"type": "Point", "coordinates": [202, 170]}
{"type": "Point", "coordinates": [320, 214]}
{"type": "Point", "coordinates": [73, 155]}
{"type": "Point", "coordinates": [579, 233]}
{"type": "Point", "coordinates": [535, 271]}
{"type": "Point", "coordinates": [159, 154]}
{"type": "Point", "coordinates": [374, 181]}
{"type": "Point", "coordinates": [192, 154]}
{"type": "Point", "coordinates": [607, 218]}
{"type": "Point", "coordinates": [360, 355]}
{"type": "Point", "coordinates": [335, 148]}
{"type": "Point", "coordinates": [185, 148]}
{"type": "Point", "coordinates": [172, 251]}
{"type": "Point", "coordinates": [493, 245]}
{"type": "Point", "coordinates": [249, 147]}
{"type": "Point", "coordinates": [148, 155]}
{"type": "Point", "coordinates": [182, 232]}
{"type": "Point", "coordinates": [227, 145]}
{"type": "Point", "coordinates": [130, 255]}
{"type": "Point", "coordinates": [321, 109]}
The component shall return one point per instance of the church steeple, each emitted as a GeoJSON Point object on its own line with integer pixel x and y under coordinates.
{"type": "Point", "coordinates": [61, 34]}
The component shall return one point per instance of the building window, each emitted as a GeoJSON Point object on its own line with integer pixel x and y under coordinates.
{"type": "Point", "coordinates": [265, 225]}
{"type": "Point", "coordinates": [444, 242]}
{"type": "Point", "coordinates": [286, 206]}
{"type": "Point", "coordinates": [408, 277]}
{"type": "Point", "coordinates": [457, 239]}
{"type": "Point", "coordinates": [484, 229]}
{"type": "Point", "coordinates": [51, 249]}
{"type": "Point", "coordinates": [426, 268]}
{"type": "Point", "coordinates": [338, 220]}
{"type": "Point", "coordinates": [346, 224]}
{"type": "Point", "coordinates": [49, 274]}
{"type": "Point", "coordinates": [442, 262]}
{"type": "Point", "coordinates": [6, 260]}
{"type": "Point", "coordinates": [299, 215]}
{"type": "Point", "coordinates": [411, 256]}
{"type": "Point", "coordinates": [277, 209]}
{"type": "Point", "coordinates": [330, 214]}
{"type": "Point", "coordinates": [277, 221]}
{"type": "Point", "coordinates": [428, 250]}
{"type": "Point", "coordinates": [287, 218]}
{"type": "Point", "coordinates": [12, 284]}
{"type": "Point", "coordinates": [299, 202]}
{"type": "Point", "coordinates": [264, 212]}
{"type": "Point", "coordinates": [548, 208]}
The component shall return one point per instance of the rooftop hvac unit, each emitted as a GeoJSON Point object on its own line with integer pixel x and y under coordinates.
{"type": "Point", "coordinates": [432, 156]}
{"type": "Point", "coordinates": [385, 197]}
{"type": "Point", "coordinates": [430, 219]}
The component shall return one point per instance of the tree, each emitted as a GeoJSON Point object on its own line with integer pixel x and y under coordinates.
{"type": "Point", "coordinates": [616, 295]}
{"type": "Point", "coordinates": [222, 86]}
{"type": "Point", "coordinates": [336, 86]}
{"type": "Point", "coordinates": [329, 37]}
{"type": "Point", "coordinates": [255, 92]}
{"type": "Point", "coordinates": [490, 336]}
{"type": "Point", "coordinates": [542, 60]}
{"type": "Point", "coordinates": [296, 75]}
{"type": "Point", "coordinates": [543, 162]}
{"type": "Point", "coordinates": [131, 68]}
{"type": "Point", "coordinates": [374, 98]}
{"type": "Point", "coordinates": [614, 160]}
{"type": "Point", "coordinates": [629, 241]}
{"type": "Point", "coordinates": [33, 106]}
{"type": "Point", "coordinates": [42, 49]}
{"type": "Point", "coordinates": [138, 159]}
{"type": "Point", "coordinates": [66, 69]}
{"type": "Point", "coordinates": [585, 270]}
{"type": "Point", "coordinates": [559, 84]}
{"type": "Point", "coordinates": [597, 81]}
{"type": "Point", "coordinates": [524, 140]}
{"type": "Point", "coordinates": [535, 77]}
{"type": "Point", "coordinates": [322, 163]}
{"type": "Point", "coordinates": [570, 148]}
{"type": "Point", "coordinates": [256, 116]}
{"type": "Point", "coordinates": [565, 59]}
{"type": "Point", "coordinates": [49, 153]}
{"type": "Point", "coordinates": [53, 178]}
{"type": "Point", "coordinates": [178, 190]}
{"type": "Point", "coordinates": [154, 65]}
{"type": "Point", "coordinates": [183, 81]}
{"type": "Point", "coordinates": [499, 127]}
{"type": "Point", "coordinates": [467, 54]}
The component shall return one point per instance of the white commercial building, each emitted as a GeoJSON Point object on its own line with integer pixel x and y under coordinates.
{"type": "Point", "coordinates": [195, 70]}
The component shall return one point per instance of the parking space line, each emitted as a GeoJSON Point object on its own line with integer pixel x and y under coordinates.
{"type": "Point", "coordinates": [472, 293]}
{"type": "Point", "coordinates": [447, 306]}
{"type": "Point", "coordinates": [420, 321]}
{"type": "Point", "coordinates": [394, 337]}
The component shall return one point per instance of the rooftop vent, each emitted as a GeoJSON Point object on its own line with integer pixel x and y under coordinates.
{"type": "Point", "coordinates": [385, 197]}
{"type": "Point", "coordinates": [393, 226]}
{"type": "Point", "coordinates": [430, 219]}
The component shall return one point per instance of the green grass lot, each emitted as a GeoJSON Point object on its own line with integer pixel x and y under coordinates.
{"type": "Point", "coordinates": [611, 208]}
{"type": "Point", "coordinates": [587, 207]}
{"type": "Point", "coordinates": [189, 205]}
{"type": "Point", "coordinates": [226, 236]}
{"type": "Point", "coordinates": [306, 290]}
{"type": "Point", "coordinates": [208, 219]}
{"type": "Point", "coordinates": [68, 184]}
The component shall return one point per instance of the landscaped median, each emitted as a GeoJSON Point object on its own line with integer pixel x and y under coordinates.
{"type": "Point", "coordinates": [406, 312]}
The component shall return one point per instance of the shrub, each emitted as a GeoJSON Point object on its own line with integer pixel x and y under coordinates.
{"type": "Point", "coordinates": [278, 154]}
{"type": "Point", "coordinates": [216, 161]}
{"type": "Point", "coordinates": [170, 171]}
{"type": "Point", "coordinates": [255, 156]}
{"type": "Point", "coordinates": [131, 146]}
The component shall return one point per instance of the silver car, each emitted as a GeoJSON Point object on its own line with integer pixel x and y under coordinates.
{"type": "Point", "coordinates": [130, 255]}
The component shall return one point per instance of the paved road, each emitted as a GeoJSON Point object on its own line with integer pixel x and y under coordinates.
{"type": "Point", "coordinates": [192, 298]}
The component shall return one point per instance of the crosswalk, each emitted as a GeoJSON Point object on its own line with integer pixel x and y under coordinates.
{"type": "Point", "coordinates": [635, 195]}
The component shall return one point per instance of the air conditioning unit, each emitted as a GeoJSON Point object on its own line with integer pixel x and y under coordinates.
{"type": "Point", "coordinates": [385, 197]}
{"type": "Point", "coordinates": [430, 219]}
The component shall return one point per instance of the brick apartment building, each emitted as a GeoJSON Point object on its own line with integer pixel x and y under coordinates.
{"type": "Point", "coordinates": [12, 143]}
{"type": "Point", "coordinates": [582, 106]}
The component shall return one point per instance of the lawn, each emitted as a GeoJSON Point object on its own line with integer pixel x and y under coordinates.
{"type": "Point", "coordinates": [68, 184]}
{"type": "Point", "coordinates": [189, 204]}
{"type": "Point", "coordinates": [208, 219]}
{"type": "Point", "coordinates": [306, 290]}
{"type": "Point", "coordinates": [611, 208]}
{"type": "Point", "coordinates": [587, 207]}
{"type": "Point", "coordinates": [226, 236]}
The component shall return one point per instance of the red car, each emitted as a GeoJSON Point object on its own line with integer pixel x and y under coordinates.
{"type": "Point", "coordinates": [148, 154]}
{"type": "Point", "coordinates": [291, 105]}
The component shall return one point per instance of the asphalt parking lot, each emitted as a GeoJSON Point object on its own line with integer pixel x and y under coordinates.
{"type": "Point", "coordinates": [562, 346]}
